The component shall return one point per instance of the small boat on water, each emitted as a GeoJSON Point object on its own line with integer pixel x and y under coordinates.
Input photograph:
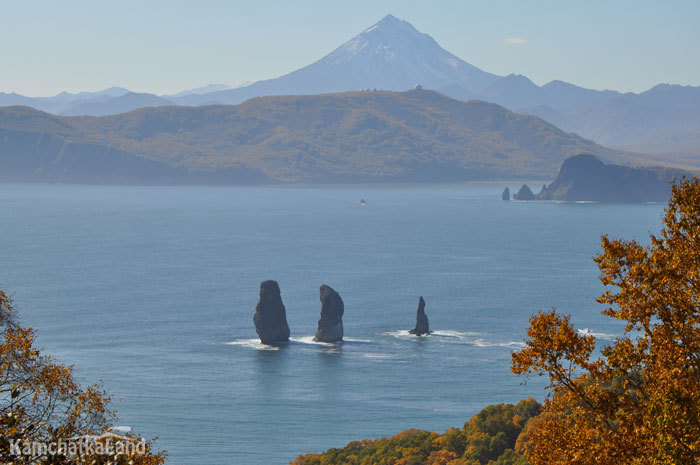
{"type": "Point", "coordinates": [362, 202]}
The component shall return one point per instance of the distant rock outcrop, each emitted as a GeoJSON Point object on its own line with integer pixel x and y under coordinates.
{"type": "Point", "coordinates": [330, 326]}
{"type": "Point", "coordinates": [422, 326]}
{"type": "Point", "coordinates": [524, 194]}
{"type": "Point", "coordinates": [506, 194]}
{"type": "Point", "coordinates": [585, 177]}
{"type": "Point", "coordinates": [270, 316]}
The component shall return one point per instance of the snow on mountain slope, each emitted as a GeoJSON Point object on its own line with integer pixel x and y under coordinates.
{"type": "Point", "coordinates": [390, 55]}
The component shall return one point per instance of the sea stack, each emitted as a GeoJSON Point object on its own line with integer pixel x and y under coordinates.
{"type": "Point", "coordinates": [330, 326]}
{"type": "Point", "coordinates": [422, 326]}
{"type": "Point", "coordinates": [270, 316]}
{"type": "Point", "coordinates": [506, 194]}
{"type": "Point", "coordinates": [524, 194]}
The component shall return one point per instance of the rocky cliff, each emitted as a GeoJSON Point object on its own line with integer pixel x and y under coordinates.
{"type": "Point", "coordinates": [585, 177]}
{"type": "Point", "coordinates": [330, 326]}
{"type": "Point", "coordinates": [270, 315]}
{"type": "Point", "coordinates": [422, 326]}
{"type": "Point", "coordinates": [524, 193]}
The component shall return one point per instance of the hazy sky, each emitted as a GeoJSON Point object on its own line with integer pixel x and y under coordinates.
{"type": "Point", "coordinates": [167, 46]}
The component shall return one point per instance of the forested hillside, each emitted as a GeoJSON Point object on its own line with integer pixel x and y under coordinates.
{"type": "Point", "coordinates": [350, 137]}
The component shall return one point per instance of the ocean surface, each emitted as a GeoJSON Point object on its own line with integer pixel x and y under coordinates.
{"type": "Point", "coordinates": [152, 290]}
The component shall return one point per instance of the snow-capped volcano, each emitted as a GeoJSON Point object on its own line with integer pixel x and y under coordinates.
{"type": "Point", "coordinates": [393, 54]}
{"type": "Point", "coordinates": [390, 55]}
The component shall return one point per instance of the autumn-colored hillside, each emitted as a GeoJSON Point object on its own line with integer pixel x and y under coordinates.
{"type": "Point", "coordinates": [416, 135]}
{"type": "Point", "coordinates": [495, 436]}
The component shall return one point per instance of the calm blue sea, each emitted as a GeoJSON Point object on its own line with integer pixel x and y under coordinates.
{"type": "Point", "coordinates": [152, 290]}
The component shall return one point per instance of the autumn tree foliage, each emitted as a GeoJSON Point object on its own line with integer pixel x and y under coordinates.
{"type": "Point", "coordinates": [42, 404]}
{"type": "Point", "coordinates": [636, 401]}
{"type": "Point", "coordinates": [492, 437]}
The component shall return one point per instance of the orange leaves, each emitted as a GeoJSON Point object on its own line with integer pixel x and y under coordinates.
{"type": "Point", "coordinates": [640, 402]}
{"type": "Point", "coordinates": [441, 457]}
{"type": "Point", "coordinates": [41, 403]}
{"type": "Point", "coordinates": [554, 347]}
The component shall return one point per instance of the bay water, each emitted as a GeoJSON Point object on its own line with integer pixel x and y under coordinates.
{"type": "Point", "coordinates": [151, 290]}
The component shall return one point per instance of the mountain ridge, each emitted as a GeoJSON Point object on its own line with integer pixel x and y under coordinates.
{"type": "Point", "coordinates": [121, 104]}
{"type": "Point", "coordinates": [413, 136]}
{"type": "Point", "coordinates": [393, 55]}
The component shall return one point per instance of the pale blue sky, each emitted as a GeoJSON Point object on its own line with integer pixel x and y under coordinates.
{"type": "Point", "coordinates": [167, 46]}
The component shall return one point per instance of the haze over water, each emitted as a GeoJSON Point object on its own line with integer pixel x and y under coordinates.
{"type": "Point", "coordinates": [152, 290]}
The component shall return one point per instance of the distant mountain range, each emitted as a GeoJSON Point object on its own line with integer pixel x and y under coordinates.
{"type": "Point", "coordinates": [63, 101]}
{"type": "Point", "coordinates": [393, 55]}
{"type": "Point", "coordinates": [202, 90]}
{"type": "Point", "coordinates": [365, 136]}
{"type": "Point", "coordinates": [390, 55]}
{"type": "Point", "coordinates": [121, 104]}
{"type": "Point", "coordinates": [665, 118]}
